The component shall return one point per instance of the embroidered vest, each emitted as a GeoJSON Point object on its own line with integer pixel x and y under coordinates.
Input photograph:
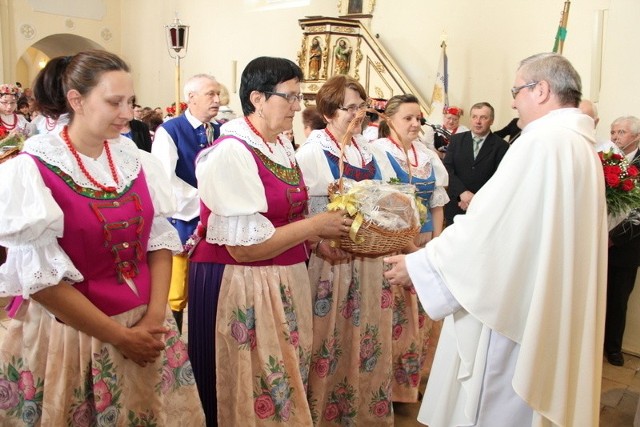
{"type": "Point", "coordinates": [106, 236]}
{"type": "Point", "coordinates": [189, 142]}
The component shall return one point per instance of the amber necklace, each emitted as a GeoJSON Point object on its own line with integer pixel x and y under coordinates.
{"type": "Point", "coordinates": [7, 126]}
{"type": "Point", "coordinates": [353, 141]}
{"type": "Point", "coordinates": [83, 169]}
{"type": "Point", "coordinates": [415, 155]}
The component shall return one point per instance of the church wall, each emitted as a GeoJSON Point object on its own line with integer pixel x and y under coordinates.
{"type": "Point", "coordinates": [485, 42]}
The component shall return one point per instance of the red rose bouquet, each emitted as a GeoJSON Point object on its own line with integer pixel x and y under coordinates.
{"type": "Point", "coordinates": [622, 187]}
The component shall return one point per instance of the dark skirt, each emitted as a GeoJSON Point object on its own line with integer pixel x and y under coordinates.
{"type": "Point", "coordinates": [204, 289]}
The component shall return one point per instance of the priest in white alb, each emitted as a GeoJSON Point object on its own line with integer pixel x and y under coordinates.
{"type": "Point", "coordinates": [521, 278]}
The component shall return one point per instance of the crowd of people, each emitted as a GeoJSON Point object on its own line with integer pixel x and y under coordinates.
{"type": "Point", "coordinates": [117, 219]}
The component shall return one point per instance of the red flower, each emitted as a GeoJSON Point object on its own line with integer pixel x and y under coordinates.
{"type": "Point", "coordinates": [177, 354]}
{"type": "Point", "coordinates": [264, 407]}
{"type": "Point", "coordinates": [331, 412]}
{"type": "Point", "coordinates": [612, 170]}
{"type": "Point", "coordinates": [612, 179]}
{"type": "Point", "coordinates": [628, 185]}
{"type": "Point", "coordinates": [381, 409]}
{"type": "Point", "coordinates": [632, 171]}
{"type": "Point", "coordinates": [322, 367]}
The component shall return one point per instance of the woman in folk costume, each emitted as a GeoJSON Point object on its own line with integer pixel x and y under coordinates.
{"type": "Point", "coordinates": [414, 335]}
{"type": "Point", "coordinates": [10, 120]}
{"type": "Point", "coordinates": [251, 356]}
{"type": "Point", "coordinates": [350, 378]}
{"type": "Point", "coordinates": [93, 342]}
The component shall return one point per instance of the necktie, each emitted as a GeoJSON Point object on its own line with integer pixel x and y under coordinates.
{"type": "Point", "coordinates": [208, 128]}
{"type": "Point", "coordinates": [476, 146]}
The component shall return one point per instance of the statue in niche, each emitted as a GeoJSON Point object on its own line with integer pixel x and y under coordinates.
{"type": "Point", "coordinates": [355, 6]}
{"type": "Point", "coordinates": [342, 54]}
{"type": "Point", "coordinates": [315, 59]}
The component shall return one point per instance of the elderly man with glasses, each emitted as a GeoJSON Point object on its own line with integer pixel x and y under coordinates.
{"type": "Point", "coordinates": [521, 278]}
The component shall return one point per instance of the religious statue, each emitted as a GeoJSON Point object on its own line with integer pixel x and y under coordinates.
{"type": "Point", "coordinates": [315, 59]}
{"type": "Point", "coordinates": [342, 54]}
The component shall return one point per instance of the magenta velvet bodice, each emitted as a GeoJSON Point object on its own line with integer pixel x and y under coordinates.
{"type": "Point", "coordinates": [287, 200]}
{"type": "Point", "coordinates": [106, 236]}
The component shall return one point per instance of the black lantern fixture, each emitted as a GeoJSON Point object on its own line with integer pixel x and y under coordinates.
{"type": "Point", "coordinates": [177, 41]}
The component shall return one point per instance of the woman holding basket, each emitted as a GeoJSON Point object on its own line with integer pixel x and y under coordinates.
{"type": "Point", "coordinates": [350, 378]}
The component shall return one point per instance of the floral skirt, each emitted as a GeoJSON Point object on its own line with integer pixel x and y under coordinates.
{"type": "Point", "coordinates": [263, 346]}
{"type": "Point", "coordinates": [53, 375]}
{"type": "Point", "coordinates": [414, 339]}
{"type": "Point", "coordinates": [350, 378]}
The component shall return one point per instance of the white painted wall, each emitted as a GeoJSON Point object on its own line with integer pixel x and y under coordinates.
{"type": "Point", "coordinates": [485, 42]}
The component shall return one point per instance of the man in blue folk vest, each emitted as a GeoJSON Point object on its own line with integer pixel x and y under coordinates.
{"type": "Point", "coordinates": [177, 142]}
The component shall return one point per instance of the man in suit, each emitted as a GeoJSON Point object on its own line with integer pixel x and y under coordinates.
{"type": "Point", "coordinates": [177, 142]}
{"type": "Point", "coordinates": [472, 158]}
{"type": "Point", "coordinates": [624, 249]}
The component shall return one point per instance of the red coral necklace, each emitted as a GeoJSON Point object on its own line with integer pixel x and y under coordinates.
{"type": "Point", "coordinates": [257, 132]}
{"type": "Point", "coordinates": [7, 126]}
{"type": "Point", "coordinates": [83, 169]}
{"type": "Point", "coordinates": [353, 141]}
{"type": "Point", "coordinates": [415, 155]}
{"type": "Point", "coordinates": [259, 135]}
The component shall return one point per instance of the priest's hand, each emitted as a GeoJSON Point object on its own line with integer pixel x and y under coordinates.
{"type": "Point", "coordinates": [398, 274]}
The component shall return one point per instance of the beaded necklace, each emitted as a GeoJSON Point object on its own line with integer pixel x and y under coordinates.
{"type": "Point", "coordinates": [353, 141]}
{"type": "Point", "coordinates": [7, 126]}
{"type": "Point", "coordinates": [259, 135]}
{"type": "Point", "coordinates": [50, 124]}
{"type": "Point", "coordinates": [415, 155]}
{"type": "Point", "coordinates": [83, 169]}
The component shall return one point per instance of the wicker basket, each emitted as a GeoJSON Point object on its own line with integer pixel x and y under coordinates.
{"type": "Point", "coordinates": [377, 241]}
{"type": "Point", "coordinates": [371, 239]}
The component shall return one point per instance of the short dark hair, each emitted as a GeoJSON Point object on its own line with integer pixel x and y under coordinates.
{"type": "Point", "coordinates": [483, 104]}
{"type": "Point", "coordinates": [263, 74]}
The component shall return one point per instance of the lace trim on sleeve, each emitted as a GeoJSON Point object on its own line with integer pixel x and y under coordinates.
{"type": "Point", "coordinates": [242, 230]}
{"type": "Point", "coordinates": [439, 197]}
{"type": "Point", "coordinates": [31, 268]}
{"type": "Point", "coordinates": [317, 204]}
{"type": "Point", "coordinates": [164, 236]}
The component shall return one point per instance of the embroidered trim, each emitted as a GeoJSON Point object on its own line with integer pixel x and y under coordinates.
{"type": "Point", "coordinates": [290, 176]}
{"type": "Point", "coordinates": [84, 191]}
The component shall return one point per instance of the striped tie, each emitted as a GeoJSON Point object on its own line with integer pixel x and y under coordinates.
{"type": "Point", "coordinates": [476, 146]}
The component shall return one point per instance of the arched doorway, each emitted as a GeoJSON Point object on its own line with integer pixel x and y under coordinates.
{"type": "Point", "coordinates": [35, 57]}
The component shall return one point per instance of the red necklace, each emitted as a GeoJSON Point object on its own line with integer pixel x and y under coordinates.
{"type": "Point", "coordinates": [415, 155]}
{"type": "Point", "coordinates": [67, 140]}
{"type": "Point", "coordinates": [50, 124]}
{"type": "Point", "coordinates": [353, 141]}
{"type": "Point", "coordinates": [7, 126]}
{"type": "Point", "coordinates": [257, 132]}
{"type": "Point", "coordinates": [259, 135]}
